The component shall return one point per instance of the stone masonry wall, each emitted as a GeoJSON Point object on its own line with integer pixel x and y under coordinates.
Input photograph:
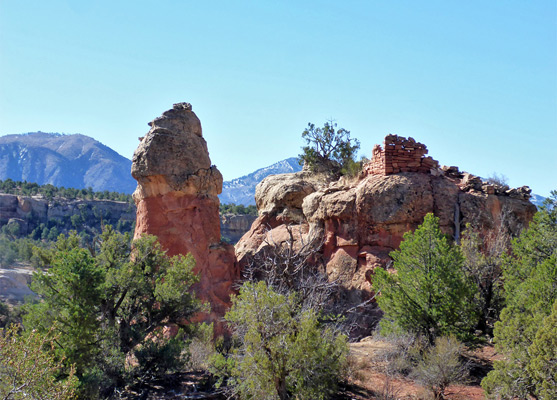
{"type": "Point", "coordinates": [399, 154]}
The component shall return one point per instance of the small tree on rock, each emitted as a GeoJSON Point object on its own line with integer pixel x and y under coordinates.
{"type": "Point", "coordinates": [329, 149]}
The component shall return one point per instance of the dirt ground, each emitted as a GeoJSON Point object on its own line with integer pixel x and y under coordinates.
{"type": "Point", "coordinates": [368, 382]}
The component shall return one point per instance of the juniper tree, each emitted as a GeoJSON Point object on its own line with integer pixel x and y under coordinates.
{"type": "Point", "coordinates": [329, 148]}
{"type": "Point", "coordinates": [113, 305]}
{"type": "Point", "coordinates": [284, 351]}
{"type": "Point", "coordinates": [530, 277]}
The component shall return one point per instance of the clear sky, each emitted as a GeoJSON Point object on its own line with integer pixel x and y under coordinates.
{"type": "Point", "coordinates": [476, 81]}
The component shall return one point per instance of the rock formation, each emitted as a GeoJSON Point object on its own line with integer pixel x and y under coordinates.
{"type": "Point", "coordinates": [176, 199]}
{"type": "Point", "coordinates": [362, 221]}
{"type": "Point", "coordinates": [399, 154]}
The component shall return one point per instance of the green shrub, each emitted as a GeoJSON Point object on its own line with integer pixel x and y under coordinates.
{"type": "Point", "coordinates": [543, 357]}
{"type": "Point", "coordinates": [530, 277]}
{"type": "Point", "coordinates": [111, 306]}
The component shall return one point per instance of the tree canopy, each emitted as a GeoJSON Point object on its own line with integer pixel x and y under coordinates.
{"type": "Point", "coordinates": [284, 351]}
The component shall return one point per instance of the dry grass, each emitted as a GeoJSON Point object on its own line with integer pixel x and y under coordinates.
{"type": "Point", "coordinates": [371, 373]}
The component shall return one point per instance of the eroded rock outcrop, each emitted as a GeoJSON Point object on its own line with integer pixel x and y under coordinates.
{"type": "Point", "coordinates": [362, 221]}
{"type": "Point", "coordinates": [177, 201]}
{"type": "Point", "coordinates": [279, 200]}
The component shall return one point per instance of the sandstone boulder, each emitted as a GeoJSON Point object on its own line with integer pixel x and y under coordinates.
{"type": "Point", "coordinates": [282, 195]}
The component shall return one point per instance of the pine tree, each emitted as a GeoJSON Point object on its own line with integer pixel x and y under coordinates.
{"type": "Point", "coordinates": [428, 293]}
{"type": "Point", "coordinates": [113, 305]}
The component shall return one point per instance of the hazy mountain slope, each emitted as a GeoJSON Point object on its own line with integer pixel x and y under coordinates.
{"type": "Point", "coordinates": [242, 190]}
{"type": "Point", "coordinates": [64, 160]}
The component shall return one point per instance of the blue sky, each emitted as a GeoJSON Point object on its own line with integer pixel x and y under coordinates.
{"type": "Point", "coordinates": [475, 81]}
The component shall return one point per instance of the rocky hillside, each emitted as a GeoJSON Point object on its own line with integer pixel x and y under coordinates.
{"type": "Point", "coordinates": [242, 190]}
{"type": "Point", "coordinates": [76, 161]}
{"type": "Point", "coordinates": [32, 212]}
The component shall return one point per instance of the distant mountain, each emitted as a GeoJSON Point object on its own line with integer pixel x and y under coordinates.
{"type": "Point", "coordinates": [76, 161]}
{"type": "Point", "coordinates": [242, 190]}
{"type": "Point", "coordinates": [537, 200]}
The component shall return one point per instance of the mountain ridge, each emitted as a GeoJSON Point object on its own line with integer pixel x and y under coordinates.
{"type": "Point", "coordinates": [242, 190]}
{"type": "Point", "coordinates": [72, 160]}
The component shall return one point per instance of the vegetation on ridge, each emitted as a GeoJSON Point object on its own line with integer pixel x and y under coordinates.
{"type": "Point", "coordinates": [237, 209]}
{"type": "Point", "coordinates": [49, 191]}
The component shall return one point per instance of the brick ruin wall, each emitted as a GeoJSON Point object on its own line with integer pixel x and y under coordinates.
{"type": "Point", "coordinates": [399, 154]}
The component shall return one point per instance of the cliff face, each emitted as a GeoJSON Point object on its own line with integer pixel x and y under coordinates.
{"type": "Point", "coordinates": [233, 226]}
{"type": "Point", "coordinates": [176, 199]}
{"type": "Point", "coordinates": [29, 212]}
{"type": "Point", "coordinates": [362, 221]}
